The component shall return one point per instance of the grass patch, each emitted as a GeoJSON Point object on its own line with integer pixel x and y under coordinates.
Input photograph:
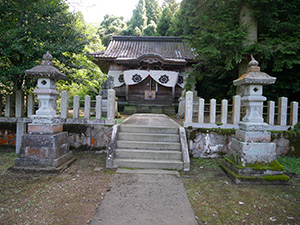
{"type": "Point", "coordinates": [290, 163]}
{"type": "Point", "coordinates": [217, 200]}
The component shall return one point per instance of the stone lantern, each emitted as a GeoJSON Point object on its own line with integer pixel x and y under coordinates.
{"type": "Point", "coordinates": [45, 147]}
{"type": "Point", "coordinates": [252, 157]}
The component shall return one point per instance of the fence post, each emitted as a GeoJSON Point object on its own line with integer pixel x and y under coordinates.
{"type": "Point", "coordinates": [212, 111]}
{"type": "Point", "coordinates": [236, 109]}
{"type": "Point", "coordinates": [76, 106]}
{"type": "Point", "coordinates": [8, 111]}
{"type": "Point", "coordinates": [19, 106]}
{"type": "Point", "coordinates": [201, 103]}
{"type": "Point", "coordinates": [30, 105]}
{"type": "Point", "coordinates": [271, 112]}
{"type": "Point", "coordinates": [188, 109]}
{"type": "Point", "coordinates": [21, 129]}
{"type": "Point", "coordinates": [64, 106]}
{"type": "Point", "coordinates": [87, 107]}
{"type": "Point", "coordinates": [224, 111]}
{"type": "Point", "coordinates": [294, 113]}
{"type": "Point", "coordinates": [111, 98]}
{"type": "Point", "coordinates": [98, 107]}
{"type": "Point", "coordinates": [282, 111]}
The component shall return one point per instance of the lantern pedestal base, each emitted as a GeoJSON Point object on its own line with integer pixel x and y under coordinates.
{"type": "Point", "coordinates": [45, 152]}
{"type": "Point", "coordinates": [257, 174]}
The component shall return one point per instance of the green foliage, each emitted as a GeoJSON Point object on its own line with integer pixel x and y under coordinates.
{"type": "Point", "coordinates": [153, 11]}
{"type": "Point", "coordinates": [29, 29]}
{"type": "Point", "coordinates": [139, 18]}
{"type": "Point", "coordinates": [150, 30]}
{"type": "Point", "coordinates": [165, 25]}
{"type": "Point", "coordinates": [165, 21]}
{"type": "Point", "coordinates": [297, 127]}
{"type": "Point", "coordinates": [213, 28]}
{"type": "Point", "coordinates": [111, 25]}
{"type": "Point", "coordinates": [86, 77]}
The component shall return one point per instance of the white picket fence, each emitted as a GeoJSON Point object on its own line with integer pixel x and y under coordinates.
{"type": "Point", "coordinates": [91, 113]}
{"type": "Point", "coordinates": [199, 114]}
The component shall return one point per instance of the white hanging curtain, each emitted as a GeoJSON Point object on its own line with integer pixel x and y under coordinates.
{"type": "Point", "coordinates": [181, 79]}
{"type": "Point", "coordinates": [135, 76]}
{"type": "Point", "coordinates": [163, 77]}
{"type": "Point", "coordinates": [118, 77]}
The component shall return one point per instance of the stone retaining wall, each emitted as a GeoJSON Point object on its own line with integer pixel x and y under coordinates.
{"type": "Point", "coordinates": [80, 136]}
{"type": "Point", "coordinates": [7, 134]}
{"type": "Point", "coordinates": [213, 143]}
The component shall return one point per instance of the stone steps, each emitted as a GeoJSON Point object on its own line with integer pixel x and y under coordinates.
{"type": "Point", "coordinates": [148, 129]}
{"type": "Point", "coordinates": [148, 137]}
{"type": "Point", "coordinates": [148, 147]}
{"type": "Point", "coordinates": [148, 163]}
{"type": "Point", "coordinates": [147, 154]}
{"type": "Point", "coordinates": [167, 146]}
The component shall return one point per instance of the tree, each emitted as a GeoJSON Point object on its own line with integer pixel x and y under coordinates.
{"type": "Point", "coordinates": [138, 22]}
{"type": "Point", "coordinates": [153, 11]}
{"type": "Point", "coordinates": [111, 25]}
{"type": "Point", "coordinates": [219, 37]}
{"type": "Point", "coordinates": [150, 30]}
{"type": "Point", "coordinates": [166, 24]}
{"type": "Point", "coordinates": [165, 21]}
{"type": "Point", "coordinates": [30, 28]}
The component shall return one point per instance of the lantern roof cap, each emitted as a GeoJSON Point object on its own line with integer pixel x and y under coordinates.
{"type": "Point", "coordinates": [46, 69]}
{"type": "Point", "coordinates": [254, 75]}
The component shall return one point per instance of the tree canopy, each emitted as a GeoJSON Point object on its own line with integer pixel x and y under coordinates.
{"type": "Point", "coordinates": [214, 31]}
{"type": "Point", "coordinates": [30, 28]}
{"type": "Point", "coordinates": [111, 25]}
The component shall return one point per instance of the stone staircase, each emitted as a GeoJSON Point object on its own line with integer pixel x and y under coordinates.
{"type": "Point", "coordinates": [149, 147]}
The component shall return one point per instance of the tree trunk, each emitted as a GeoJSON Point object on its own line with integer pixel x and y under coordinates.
{"type": "Point", "coordinates": [248, 21]}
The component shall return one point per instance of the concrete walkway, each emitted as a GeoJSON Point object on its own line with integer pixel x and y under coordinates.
{"type": "Point", "coordinates": [145, 197]}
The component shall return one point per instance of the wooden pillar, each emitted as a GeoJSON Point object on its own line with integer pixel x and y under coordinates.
{"type": "Point", "coordinates": [173, 94]}
{"type": "Point", "coordinates": [127, 89]}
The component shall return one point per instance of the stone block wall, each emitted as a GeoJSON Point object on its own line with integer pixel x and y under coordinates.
{"type": "Point", "coordinates": [91, 136]}
{"type": "Point", "coordinates": [213, 143]}
{"type": "Point", "coordinates": [83, 137]}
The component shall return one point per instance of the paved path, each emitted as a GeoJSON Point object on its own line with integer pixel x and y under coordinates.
{"type": "Point", "coordinates": [145, 198]}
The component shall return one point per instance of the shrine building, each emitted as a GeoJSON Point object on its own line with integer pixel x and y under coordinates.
{"type": "Point", "coordinates": [146, 70]}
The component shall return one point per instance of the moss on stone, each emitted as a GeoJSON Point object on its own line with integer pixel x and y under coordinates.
{"type": "Point", "coordinates": [270, 178]}
{"type": "Point", "coordinates": [274, 165]}
{"type": "Point", "coordinates": [280, 177]}
{"type": "Point", "coordinates": [226, 132]}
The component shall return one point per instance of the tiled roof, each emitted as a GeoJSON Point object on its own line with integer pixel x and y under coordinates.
{"type": "Point", "coordinates": [133, 47]}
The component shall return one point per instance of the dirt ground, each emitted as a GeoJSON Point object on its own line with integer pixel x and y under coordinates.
{"type": "Point", "coordinates": [73, 196]}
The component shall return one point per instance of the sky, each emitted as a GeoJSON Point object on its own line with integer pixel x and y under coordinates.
{"type": "Point", "coordinates": [94, 10]}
